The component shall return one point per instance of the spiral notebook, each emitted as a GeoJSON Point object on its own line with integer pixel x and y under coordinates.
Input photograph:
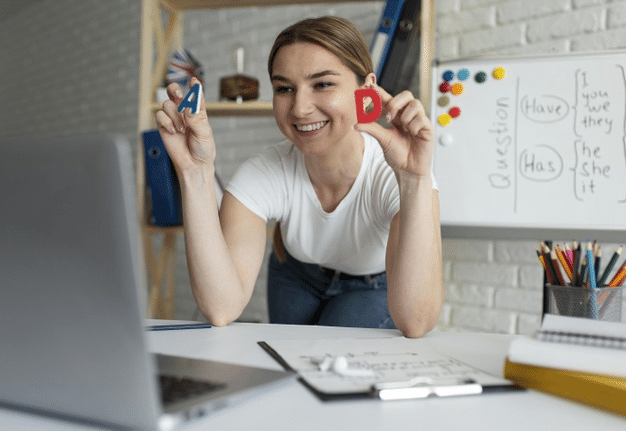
{"type": "Point", "coordinates": [586, 332]}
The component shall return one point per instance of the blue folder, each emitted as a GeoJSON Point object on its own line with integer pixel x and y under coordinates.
{"type": "Point", "coordinates": [381, 44]}
{"type": "Point", "coordinates": [162, 182]}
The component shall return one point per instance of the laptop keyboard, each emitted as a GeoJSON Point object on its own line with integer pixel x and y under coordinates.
{"type": "Point", "coordinates": [174, 388]}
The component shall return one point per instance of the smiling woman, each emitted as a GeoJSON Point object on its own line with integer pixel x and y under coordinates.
{"type": "Point", "coordinates": [357, 205]}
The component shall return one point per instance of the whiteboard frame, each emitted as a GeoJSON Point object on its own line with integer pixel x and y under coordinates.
{"type": "Point", "coordinates": [516, 231]}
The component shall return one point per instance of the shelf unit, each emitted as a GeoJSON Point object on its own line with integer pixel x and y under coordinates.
{"type": "Point", "coordinates": [156, 43]}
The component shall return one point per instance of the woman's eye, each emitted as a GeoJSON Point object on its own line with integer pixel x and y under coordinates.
{"type": "Point", "coordinates": [323, 85]}
{"type": "Point", "coordinates": [282, 89]}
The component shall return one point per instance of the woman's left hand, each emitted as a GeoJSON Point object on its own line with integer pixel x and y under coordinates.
{"type": "Point", "coordinates": [408, 143]}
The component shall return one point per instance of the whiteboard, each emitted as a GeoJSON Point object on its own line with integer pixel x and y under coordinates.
{"type": "Point", "coordinates": [536, 143]}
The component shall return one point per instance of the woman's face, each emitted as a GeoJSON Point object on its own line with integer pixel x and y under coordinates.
{"type": "Point", "coordinates": [313, 100]}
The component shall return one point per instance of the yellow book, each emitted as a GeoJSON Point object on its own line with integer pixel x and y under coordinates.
{"type": "Point", "coordinates": [579, 359]}
{"type": "Point", "coordinates": [604, 392]}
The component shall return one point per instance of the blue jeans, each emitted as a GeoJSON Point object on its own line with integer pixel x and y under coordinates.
{"type": "Point", "coordinates": [307, 294]}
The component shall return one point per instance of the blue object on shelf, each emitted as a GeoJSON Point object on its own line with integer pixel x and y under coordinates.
{"type": "Point", "coordinates": [162, 182]}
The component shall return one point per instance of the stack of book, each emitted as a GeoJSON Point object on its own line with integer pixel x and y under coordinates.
{"type": "Point", "coordinates": [580, 359]}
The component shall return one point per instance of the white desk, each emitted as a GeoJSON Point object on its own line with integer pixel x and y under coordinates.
{"type": "Point", "coordinates": [294, 407]}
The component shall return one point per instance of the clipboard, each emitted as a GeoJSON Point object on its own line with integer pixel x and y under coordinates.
{"type": "Point", "coordinates": [390, 368]}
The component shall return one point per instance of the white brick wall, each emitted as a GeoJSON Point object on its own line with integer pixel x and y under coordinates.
{"type": "Point", "coordinates": [71, 66]}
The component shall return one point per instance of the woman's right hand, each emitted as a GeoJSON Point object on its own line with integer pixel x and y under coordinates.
{"type": "Point", "coordinates": [188, 137]}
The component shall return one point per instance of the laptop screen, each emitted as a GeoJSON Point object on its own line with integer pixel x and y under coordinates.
{"type": "Point", "coordinates": [71, 280]}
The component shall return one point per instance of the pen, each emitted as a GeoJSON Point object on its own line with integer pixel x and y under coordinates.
{"type": "Point", "coordinates": [178, 326]}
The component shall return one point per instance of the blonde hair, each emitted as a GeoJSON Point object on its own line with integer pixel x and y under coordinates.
{"type": "Point", "coordinates": [337, 35]}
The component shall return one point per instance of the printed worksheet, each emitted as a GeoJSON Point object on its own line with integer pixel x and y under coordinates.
{"type": "Point", "coordinates": [365, 362]}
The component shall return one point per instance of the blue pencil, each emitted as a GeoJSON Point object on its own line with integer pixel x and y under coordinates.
{"type": "Point", "coordinates": [592, 281]}
{"type": "Point", "coordinates": [591, 267]}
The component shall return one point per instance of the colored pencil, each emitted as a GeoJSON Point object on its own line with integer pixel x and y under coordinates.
{"type": "Point", "coordinates": [577, 258]}
{"type": "Point", "coordinates": [546, 256]}
{"type": "Point", "coordinates": [609, 267]}
{"type": "Point", "coordinates": [545, 267]}
{"type": "Point", "coordinates": [564, 262]}
{"type": "Point", "coordinates": [591, 267]}
{"type": "Point", "coordinates": [570, 256]}
{"type": "Point", "coordinates": [557, 270]}
{"type": "Point", "coordinates": [619, 277]}
{"type": "Point", "coordinates": [582, 276]}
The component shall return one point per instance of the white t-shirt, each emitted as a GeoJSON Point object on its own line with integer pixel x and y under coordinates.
{"type": "Point", "coordinates": [352, 238]}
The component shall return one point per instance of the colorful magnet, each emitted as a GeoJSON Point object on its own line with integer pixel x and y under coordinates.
{"type": "Point", "coordinates": [480, 77]}
{"type": "Point", "coordinates": [457, 89]}
{"type": "Point", "coordinates": [448, 75]}
{"type": "Point", "coordinates": [445, 87]}
{"type": "Point", "coordinates": [444, 119]}
{"type": "Point", "coordinates": [499, 72]}
{"type": "Point", "coordinates": [454, 112]}
{"type": "Point", "coordinates": [361, 115]}
{"type": "Point", "coordinates": [192, 100]}
{"type": "Point", "coordinates": [463, 74]}
{"type": "Point", "coordinates": [443, 101]}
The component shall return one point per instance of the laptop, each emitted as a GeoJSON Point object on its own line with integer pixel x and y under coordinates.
{"type": "Point", "coordinates": [74, 296]}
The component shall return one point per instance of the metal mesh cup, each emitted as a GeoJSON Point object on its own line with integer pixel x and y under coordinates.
{"type": "Point", "coordinates": [603, 303]}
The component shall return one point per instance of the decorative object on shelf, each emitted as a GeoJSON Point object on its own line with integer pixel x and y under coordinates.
{"type": "Point", "coordinates": [239, 87]}
{"type": "Point", "coordinates": [182, 67]}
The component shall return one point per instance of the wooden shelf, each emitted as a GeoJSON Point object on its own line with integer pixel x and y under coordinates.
{"type": "Point", "coordinates": [256, 108]}
{"type": "Point", "coordinates": [162, 229]}
{"type": "Point", "coordinates": [222, 4]}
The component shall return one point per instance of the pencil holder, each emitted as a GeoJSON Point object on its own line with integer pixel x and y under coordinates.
{"type": "Point", "coordinates": [603, 303]}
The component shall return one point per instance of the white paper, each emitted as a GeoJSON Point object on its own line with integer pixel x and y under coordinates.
{"type": "Point", "coordinates": [579, 325]}
{"type": "Point", "coordinates": [572, 357]}
{"type": "Point", "coordinates": [390, 360]}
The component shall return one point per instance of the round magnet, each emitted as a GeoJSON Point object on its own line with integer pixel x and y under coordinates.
{"type": "Point", "coordinates": [457, 89]}
{"type": "Point", "coordinates": [446, 139]}
{"type": "Point", "coordinates": [443, 101]}
{"type": "Point", "coordinates": [455, 111]}
{"type": "Point", "coordinates": [444, 87]}
{"type": "Point", "coordinates": [499, 72]}
{"type": "Point", "coordinates": [444, 119]}
{"type": "Point", "coordinates": [480, 77]}
{"type": "Point", "coordinates": [463, 74]}
{"type": "Point", "coordinates": [448, 75]}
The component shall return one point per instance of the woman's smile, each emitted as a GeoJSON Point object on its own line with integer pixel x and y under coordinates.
{"type": "Point", "coordinates": [314, 127]}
